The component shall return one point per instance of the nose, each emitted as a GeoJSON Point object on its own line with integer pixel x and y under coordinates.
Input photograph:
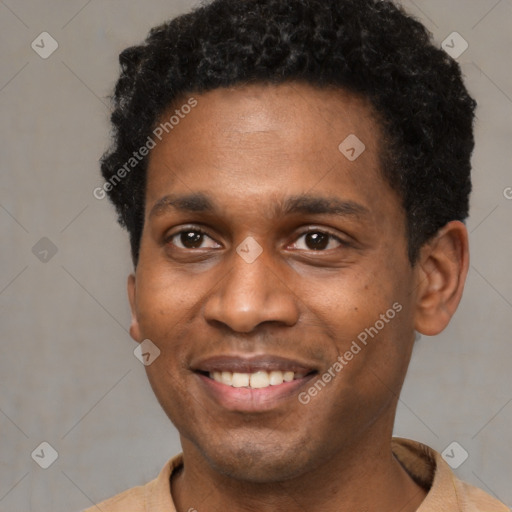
{"type": "Point", "coordinates": [251, 294]}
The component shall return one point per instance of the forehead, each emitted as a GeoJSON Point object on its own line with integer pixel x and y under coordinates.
{"type": "Point", "coordinates": [256, 141]}
{"type": "Point", "coordinates": [262, 111]}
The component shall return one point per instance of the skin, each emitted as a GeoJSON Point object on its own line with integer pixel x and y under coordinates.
{"type": "Point", "coordinates": [248, 149]}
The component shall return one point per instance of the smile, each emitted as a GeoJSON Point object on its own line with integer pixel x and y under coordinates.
{"type": "Point", "coordinates": [256, 380]}
{"type": "Point", "coordinates": [252, 384]}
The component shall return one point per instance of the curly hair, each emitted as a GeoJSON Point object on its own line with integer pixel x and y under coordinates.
{"type": "Point", "coordinates": [368, 47]}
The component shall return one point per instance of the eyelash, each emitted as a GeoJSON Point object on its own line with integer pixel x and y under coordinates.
{"type": "Point", "coordinates": [195, 229]}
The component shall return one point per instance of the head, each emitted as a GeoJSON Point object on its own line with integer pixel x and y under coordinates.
{"type": "Point", "coordinates": [301, 197]}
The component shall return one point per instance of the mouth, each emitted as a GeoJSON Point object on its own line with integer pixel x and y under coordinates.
{"type": "Point", "coordinates": [259, 383]}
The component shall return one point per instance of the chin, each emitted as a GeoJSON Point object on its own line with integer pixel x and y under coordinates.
{"type": "Point", "coordinates": [264, 462]}
{"type": "Point", "coordinates": [266, 470]}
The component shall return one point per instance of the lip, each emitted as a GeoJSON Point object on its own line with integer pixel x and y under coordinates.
{"type": "Point", "coordinates": [246, 399]}
{"type": "Point", "coordinates": [255, 363]}
{"type": "Point", "coordinates": [250, 400]}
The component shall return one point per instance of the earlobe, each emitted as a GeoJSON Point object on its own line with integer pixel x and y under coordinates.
{"type": "Point", "coordinates": [442, 270]}
{"type": "Point", "coordinates": [134, 325]}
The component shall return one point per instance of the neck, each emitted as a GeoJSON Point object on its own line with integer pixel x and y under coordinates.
{"type": "Point", "coordinates": [365, 476]}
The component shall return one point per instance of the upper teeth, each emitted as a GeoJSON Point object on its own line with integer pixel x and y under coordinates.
{"type": "Point", "coordinates": [261, 379]}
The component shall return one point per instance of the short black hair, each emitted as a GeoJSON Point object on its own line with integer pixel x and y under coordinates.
{"type": "Point", "coordinates": [367, 47]}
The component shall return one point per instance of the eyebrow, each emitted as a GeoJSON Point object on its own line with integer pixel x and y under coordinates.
{"type": "Point", "coordinates": [298, 204]}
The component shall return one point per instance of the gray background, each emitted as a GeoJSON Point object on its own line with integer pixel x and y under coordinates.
{"type": "Point", "coordinates": [67, 369]}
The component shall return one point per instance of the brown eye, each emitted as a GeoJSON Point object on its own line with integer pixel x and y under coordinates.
{"type": "Point", "coordinates": [318, 241]}
{"type": "Point", "coordinates": [191, 239]}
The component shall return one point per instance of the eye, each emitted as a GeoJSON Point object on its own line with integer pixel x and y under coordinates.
{"type": "Point", "coordinates": [191, 238]}
{"type": "Point", "coordinates": [319, 241]}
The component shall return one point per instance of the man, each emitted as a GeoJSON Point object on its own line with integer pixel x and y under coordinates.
{"type": "Point", "coordinates": [294, 177]}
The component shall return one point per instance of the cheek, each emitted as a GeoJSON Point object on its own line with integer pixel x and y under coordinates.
{"type": "Point", "coordinates": [161, 301]}
{"type": "Point", "coordinates": [161, 320]}
{"type": "Point", "coordinates": [367, 320]}
{"type": "Point", "coordinates": [349, 302]}
{"type": "Point", "coordinates": [170, 389]}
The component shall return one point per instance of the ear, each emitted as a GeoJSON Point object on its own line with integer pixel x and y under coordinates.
{"type": "Point", "coordinates": [442, 269]}
{"type": "Point", "coordinates": [134, 325]}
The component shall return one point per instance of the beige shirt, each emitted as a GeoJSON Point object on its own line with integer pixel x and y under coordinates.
{"type": "Point", "coordinates": [446, 492]}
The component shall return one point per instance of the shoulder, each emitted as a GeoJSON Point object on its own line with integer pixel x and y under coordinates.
{"type": "Point", "coordinates": [444, 490]}
{"type": "Point", "coordinates": [154, 496]}
{"type": "Point", "coordinates": [131, 500]}
{"type": "Point", "coordinates": [478, 500]}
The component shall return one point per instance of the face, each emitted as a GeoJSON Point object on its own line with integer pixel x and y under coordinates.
{"type": "Point", "coordinates": [273, 277]}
